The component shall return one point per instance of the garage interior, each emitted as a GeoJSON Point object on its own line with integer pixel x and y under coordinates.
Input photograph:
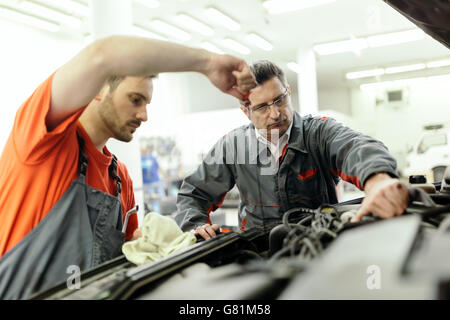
{"type": "Point", "coordinates": [379, 67]}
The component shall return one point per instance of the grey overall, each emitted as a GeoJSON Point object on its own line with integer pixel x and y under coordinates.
{"type": "Point", "coordinates": [83, 229]}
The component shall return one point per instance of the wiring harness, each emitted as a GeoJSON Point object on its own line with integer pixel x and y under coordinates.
{"type": "Point", "coordinates": [308, 237]}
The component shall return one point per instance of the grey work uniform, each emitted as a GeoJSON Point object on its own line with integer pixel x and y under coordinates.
{"type": "Point", "coordinates": [81, 231]}
{"type": "Point", "coordinates": [319, 153]}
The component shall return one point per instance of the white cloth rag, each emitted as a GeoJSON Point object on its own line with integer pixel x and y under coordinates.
{"type": "Point", "coordinates": [161, 236]}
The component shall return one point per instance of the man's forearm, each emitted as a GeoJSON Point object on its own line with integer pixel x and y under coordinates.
{"type": "Point", "coordinates": [78, 82]}
{"type": "Point", "coordinates": [189, 219]}
{"type": "Point", "coordinates": [373, 179]}
{"type": "Point", "coordinates": [137, 56]}
{"type": "Point", "coordinates": [386, 197]}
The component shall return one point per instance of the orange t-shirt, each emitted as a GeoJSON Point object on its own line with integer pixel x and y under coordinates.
{"type": "Point", "coordinates": [37, 167]}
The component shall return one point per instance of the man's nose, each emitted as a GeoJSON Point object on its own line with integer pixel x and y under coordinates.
{"type": "Point", "coordinates": [142, 114]}
{"type": "Point", "coordinates": [274, 112]}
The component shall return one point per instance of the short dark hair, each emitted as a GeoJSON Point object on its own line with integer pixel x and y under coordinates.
{"type": "Point", "coordinates": [114, 81]}
{"type": "Point", "coordinates": [264, 70]}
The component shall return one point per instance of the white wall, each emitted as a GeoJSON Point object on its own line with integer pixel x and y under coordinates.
{"type": "Point", "coordinates": [398, 127]}
{"type": "Point", "coordinates": [179, 94]}
{"type": "Point", "coordinates": [196, 133]}
{"type": "Point", "coordinates": [203, 96]}
{"type": "Point", "coordinates": [27, 57]}
{"type": "Point", "coordinates": [188, 108]}
{"type": "Point", "coordinates": [428, 102]}
{"type": "Point", "coordinates": [337, 99]}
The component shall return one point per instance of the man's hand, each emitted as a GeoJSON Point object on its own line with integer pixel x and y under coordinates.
{"type": "Point", "coordinates": [207, 231]}
{"type": "Point", "coordinates": [136, 234]}
{"type": "Point", "coordinates": [231, 75]}
{"type": "Point", "coordinates": [386, 197]}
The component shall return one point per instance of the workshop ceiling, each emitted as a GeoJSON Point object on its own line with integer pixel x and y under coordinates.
{"type": "Point", "coordinates": [289, 32]}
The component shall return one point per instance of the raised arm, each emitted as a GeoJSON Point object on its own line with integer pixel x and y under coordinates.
{"type": "Point", "coordinates": [77, 82]}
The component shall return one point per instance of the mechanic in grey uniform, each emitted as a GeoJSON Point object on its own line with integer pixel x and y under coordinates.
{"type": "Point", "coordinates": [282, 160]}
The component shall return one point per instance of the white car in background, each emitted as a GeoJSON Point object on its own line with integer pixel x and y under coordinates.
{"type": "Point", "coordinates": [431, 154]}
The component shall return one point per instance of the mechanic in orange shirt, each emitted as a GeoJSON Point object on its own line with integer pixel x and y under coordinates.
{"type": "Point", "coordinates": [64, 195]}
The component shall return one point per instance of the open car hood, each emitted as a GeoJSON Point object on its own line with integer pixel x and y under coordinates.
{"type": "Point", "coordinates": [432, 16]}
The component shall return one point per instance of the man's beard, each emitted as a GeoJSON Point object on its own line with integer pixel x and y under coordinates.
{"type": "Point", "coordinates": [110, 118]}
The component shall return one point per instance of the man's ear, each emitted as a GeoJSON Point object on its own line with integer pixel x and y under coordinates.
{"type": "Point", "coordinates": [102, 93]}
{"type": "Point", "coordinates": [289, 90]}
{"type": "Point", "coordinates": [245, 111]}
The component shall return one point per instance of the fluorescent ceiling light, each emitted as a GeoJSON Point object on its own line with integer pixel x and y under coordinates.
{"type": "Point", "coordinates": [259, 42]}
{"type": "Point", "coordinates": [354, 45]}
{"type": "Point", "coordinates": [281, 6]}
{"type": "Point", "coordinates": [411, 67]}
{"type": "Point", "coordinates": [149, 3]}
{"type": "Point", "coordinates": [194, 25]}
{"type": "Point", "coordinates": [223, 19]}
{"type": "Point", "coordinates": [71, 7]}
{"type": "Point", "coordinates": [139, 31]}
{"type": "Point", "coordinates": [210, 47]}
{"type": "Point", "coordinates": [397, 69]}
{"type": "Point", "coordinates": [51, 14]}
{"type": "Point", "coordinates": [357, 44]}
{"type": "Point", "coordinates": [441, 77]}
{"type": "Point", "coordinates": [376, 86]}
{"type": "Point", "coordinates": [170, 30]}
{"type": "Point", "coordinates": [395, 38]}
{"type": "Point", "coordinates": [365, 73]}
{"type": "Point", "coordinates": [438, 63]}
{"type": "Point", "coordinates": [294, 67]}
{"type": "Point", "coordinates": [28, 20]}
{"type": "Point", "coordinates": [379, 86]}
{"type": "Point", "coordinates": [235, 46]}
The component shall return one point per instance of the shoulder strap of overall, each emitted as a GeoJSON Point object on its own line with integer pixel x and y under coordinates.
{"type": "Point", "coordinates": [114, 175]}
{"type": "Point", "coordinates": [82, 159]}
{"type": "Point", "coordinates": [83, 163]}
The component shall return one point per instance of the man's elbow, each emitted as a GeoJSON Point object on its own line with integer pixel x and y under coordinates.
{"type": "Point", "coordinates": [99, 54]}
